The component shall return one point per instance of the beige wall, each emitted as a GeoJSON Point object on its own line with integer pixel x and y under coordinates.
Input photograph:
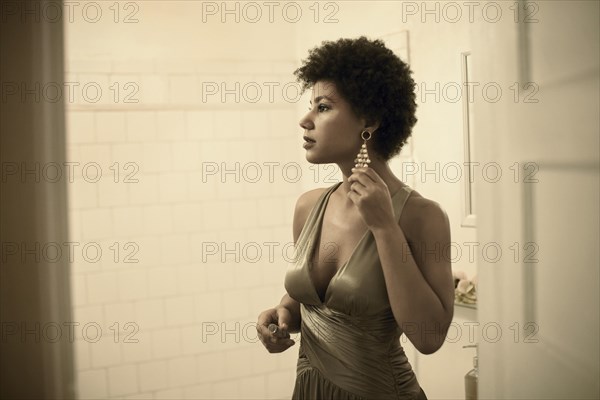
{"type": "Point", "coordinates": [170, 136]}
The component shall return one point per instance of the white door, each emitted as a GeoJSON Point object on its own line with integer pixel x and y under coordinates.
{"type": "Point", "coordinates": [538, 298]}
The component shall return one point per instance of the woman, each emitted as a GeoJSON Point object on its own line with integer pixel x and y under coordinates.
{"type": "Point", "coordinates": [370, 262]}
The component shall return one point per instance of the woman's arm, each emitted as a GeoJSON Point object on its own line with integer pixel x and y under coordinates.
{"type": "Point", "coordinates": [418, 280]}
{"type": "Point", "coordinates": [294, 308]}
{"type": "Point", "coordinates": [419, 277]}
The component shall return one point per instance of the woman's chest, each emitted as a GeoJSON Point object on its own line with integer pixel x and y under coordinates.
{"type": "Point", "coordinates": [334, 246]}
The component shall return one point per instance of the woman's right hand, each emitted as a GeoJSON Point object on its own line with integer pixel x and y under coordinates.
{"type": "Point", "coordinates": [279, 341]}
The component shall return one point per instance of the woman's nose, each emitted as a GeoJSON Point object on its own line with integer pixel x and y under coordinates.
{"type": "Point", "coordinates": [305, 123]}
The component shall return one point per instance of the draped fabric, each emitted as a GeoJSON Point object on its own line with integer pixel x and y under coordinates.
{"type": "Point", "coordinates": [350, 342]}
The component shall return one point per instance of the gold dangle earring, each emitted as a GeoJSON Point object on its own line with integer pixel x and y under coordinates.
{"type": "Point", "coordinates": [362, 158]}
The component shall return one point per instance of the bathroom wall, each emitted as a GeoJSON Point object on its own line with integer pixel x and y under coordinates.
{"type": "Point", "coordinates": [191, 234]}
{"type": "Point", "coordinates": [193, 204]}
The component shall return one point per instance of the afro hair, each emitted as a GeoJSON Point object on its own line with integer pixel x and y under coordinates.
{"type": "Point", "coordinates": [373, 80]}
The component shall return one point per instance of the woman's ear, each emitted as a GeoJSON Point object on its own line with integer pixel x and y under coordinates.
{"type": "Point", "coordinates": [372, 125]}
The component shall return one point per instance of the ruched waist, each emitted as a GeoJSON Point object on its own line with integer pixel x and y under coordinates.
{"type": "Point", "coordinates": [365, 360]}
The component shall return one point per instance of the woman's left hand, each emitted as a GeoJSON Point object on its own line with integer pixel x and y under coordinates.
{"type": "Point", "coordinates": [372, 197]}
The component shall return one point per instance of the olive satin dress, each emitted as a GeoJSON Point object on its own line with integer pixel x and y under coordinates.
{"type": "Point", "coordinates": [349, 342]}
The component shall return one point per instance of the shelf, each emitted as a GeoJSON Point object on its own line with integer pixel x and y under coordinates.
{"type": "Point", "coordinates": [465, 305]}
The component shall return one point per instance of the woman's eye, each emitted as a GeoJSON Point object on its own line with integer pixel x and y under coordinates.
{"type": "Point", "coordinates": [321, 107]}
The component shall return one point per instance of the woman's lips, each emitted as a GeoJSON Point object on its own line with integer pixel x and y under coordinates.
{"type": "Point", "coordinates": [308, 142]}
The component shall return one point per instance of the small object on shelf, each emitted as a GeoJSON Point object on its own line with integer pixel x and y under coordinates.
{"type": "Point", "coordinates": [465, 290]}
{"type": "Point", "coordinates": [472, 377]}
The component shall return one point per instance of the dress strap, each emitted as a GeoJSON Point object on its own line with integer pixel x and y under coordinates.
{"type": "Point", "coordinates": [399, 200]}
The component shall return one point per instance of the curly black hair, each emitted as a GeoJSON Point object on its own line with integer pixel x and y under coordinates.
{"type": "Point", "coordinates": [376, 83]}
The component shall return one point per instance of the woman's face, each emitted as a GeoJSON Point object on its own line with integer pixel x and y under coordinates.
{"type": "Point", "coordinates": [333, 126]}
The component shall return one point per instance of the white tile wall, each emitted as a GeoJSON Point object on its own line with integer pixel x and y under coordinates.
{"type": "Point", "coordinates": [110, 127]}
{"type": "Point", "coordinates": [123, 380]}
{"type": "Point", "coordinates": [92, 384]}
{"type": "Point", "coordinates": [153, 375]}
{"type": "Point", "coordinates": [158, 204]}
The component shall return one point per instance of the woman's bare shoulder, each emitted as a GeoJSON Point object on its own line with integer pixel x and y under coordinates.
{"type": "Point", "coordinates": [418, 211]}
{"type": "Point", "coordinates": [305, 203]}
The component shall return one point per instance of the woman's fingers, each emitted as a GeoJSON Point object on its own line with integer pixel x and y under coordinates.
{"type": "Point", "coordinates": [275, 338]}
{"type": "Point", "coordinates": [279, 346]}
{"type": "Point", "coordinates": [276, 344]}
{"type": "Point", "coordinates": [368, 173]}
{"type": "Point", "coordinates": [264, 319]}
{"type": "Point", "coordinates": [360, 177]}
